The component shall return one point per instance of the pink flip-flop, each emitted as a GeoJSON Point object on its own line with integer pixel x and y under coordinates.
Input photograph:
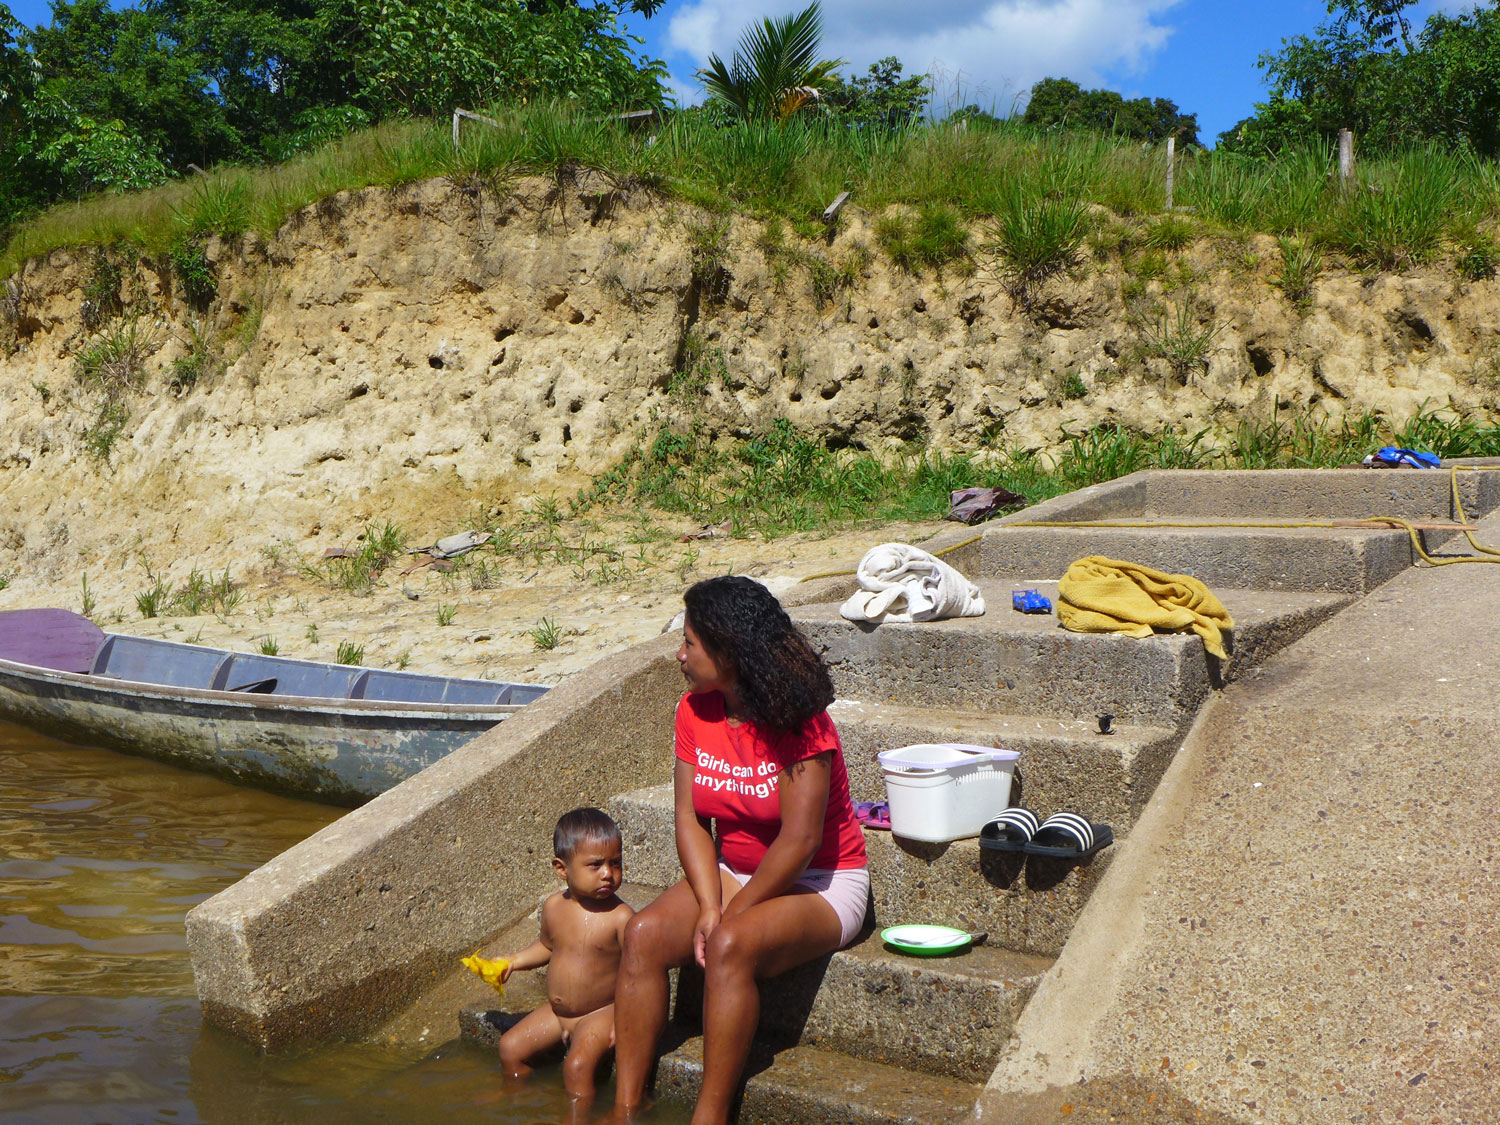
{"type": "Point", "coordinates": [873, 814]}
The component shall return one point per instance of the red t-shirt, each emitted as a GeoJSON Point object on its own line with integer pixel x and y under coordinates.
{"type": "Point", "coordinates": [738, 771]}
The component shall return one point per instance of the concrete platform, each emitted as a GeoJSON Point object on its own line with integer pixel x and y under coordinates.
{"type": "Point", "coordinates": [1027, 664]}
{"type": "Point", "coordinates": [1299, 925]}
{"type": "Point", "coordinates": [1273, 494]}
{"type": "Point", "coordinates": [1028, 907]}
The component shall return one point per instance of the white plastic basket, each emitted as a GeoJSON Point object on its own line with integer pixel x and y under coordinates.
{"type": "Point", "coordinates": [946, 791]}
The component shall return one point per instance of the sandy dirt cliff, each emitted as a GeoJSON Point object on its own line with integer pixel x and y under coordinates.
{"type": "Point", "coordinates": [438, 356]}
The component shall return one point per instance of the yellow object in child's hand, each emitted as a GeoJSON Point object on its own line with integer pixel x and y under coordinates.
{"type": "Point", "coordinates": [491, 972]}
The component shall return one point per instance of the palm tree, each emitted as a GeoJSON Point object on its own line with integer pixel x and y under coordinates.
{"type": "Point", "coordinates": [775, 70]}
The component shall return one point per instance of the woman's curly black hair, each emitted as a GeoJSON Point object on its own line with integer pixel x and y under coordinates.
{"type": "Point", "coordinates": [780, 680]}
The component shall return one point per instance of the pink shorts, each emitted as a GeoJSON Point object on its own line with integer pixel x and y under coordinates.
{"type": "Point", "coordinates": [847, 890]}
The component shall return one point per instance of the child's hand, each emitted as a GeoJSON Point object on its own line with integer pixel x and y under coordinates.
{"type": "Point", "coordinates": [508, 968]}
{"type": "Point", "coordinates": [493, 973]}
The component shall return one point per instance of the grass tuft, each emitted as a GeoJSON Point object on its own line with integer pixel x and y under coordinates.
{"type": "Point", "coordinates": [114, 359]}
{"type": "Point", "coordinates": [547, 635]}
{"type": "Point", "coordinates": [1301, 263]}
{"type": "Point", "coordinates": [931, 239]}
{"type": "Point", "coordinates": [1035, 238]}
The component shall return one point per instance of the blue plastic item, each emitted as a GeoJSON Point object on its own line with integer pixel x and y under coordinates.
{"type": "Point", "coordinates": [1030, 601]}
{"type": "Point", "coordinates": [1396, 457]}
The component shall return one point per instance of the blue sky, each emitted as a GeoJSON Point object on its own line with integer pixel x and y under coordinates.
{"type": "Point", "coordinates": [1199, 53]}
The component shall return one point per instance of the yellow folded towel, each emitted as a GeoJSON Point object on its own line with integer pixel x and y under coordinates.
{"type": "Point", "coordinates": [1100, 595]}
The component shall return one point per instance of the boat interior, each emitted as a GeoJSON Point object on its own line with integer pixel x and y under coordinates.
{"type": "Point", "coordinates": [168, 663]}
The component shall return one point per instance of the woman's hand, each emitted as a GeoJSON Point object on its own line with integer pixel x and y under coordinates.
{"type": "Point", "coordinates": [708, 921]}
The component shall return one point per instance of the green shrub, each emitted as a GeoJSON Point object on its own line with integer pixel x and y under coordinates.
{"type": "Point", "coordinates": [547, 635]}
{"type": "Point", "coordinates": [153, 601]}
{"type": "Point", "coordinates": [708, 243]}
{"type": "Point", "coordinates": [1175, 335]}
{"type": "Point", "coordinates": [101, 290]}
{"type": "Point", "coordinates": [349, 653]}
{"type": "Point", "coordinates": [358, 570]}
{"type": "Point", "coordinates": [100, 436]}
{"type": "Point", "coordinates": [205, 592]}
{"type": "Point", "coordinates": [200, 361]}
{"type": "Point", "coordinates": [217, 204]}
{"type": "Point", "coordinates": [194, 272]}
{"type": "Point", "coordinates": [1396, 217]}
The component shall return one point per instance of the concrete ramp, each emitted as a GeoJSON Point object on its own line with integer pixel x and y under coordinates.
{"type": "Point", "coordinates": [1304, 925]}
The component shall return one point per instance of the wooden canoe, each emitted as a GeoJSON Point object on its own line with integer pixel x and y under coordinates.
{"type": "Point", "coordinates": [329, 732]}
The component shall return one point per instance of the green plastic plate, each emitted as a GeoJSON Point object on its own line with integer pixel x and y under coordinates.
{"type": "Point", "coordinates": [924, 941]}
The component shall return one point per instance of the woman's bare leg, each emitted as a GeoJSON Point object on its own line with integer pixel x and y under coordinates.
{"type": "Point", "coordinates": [766, 940]}
{"type": "Point", "coordinates": [659, 938]}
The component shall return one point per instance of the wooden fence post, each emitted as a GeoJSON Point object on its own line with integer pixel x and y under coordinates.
{"type": "Point", "coordinates": [460, 114]}
{"type": "Point", "coordinates": [1346, 158]}
{"type": "Point", "coordinates": [1171, 168]}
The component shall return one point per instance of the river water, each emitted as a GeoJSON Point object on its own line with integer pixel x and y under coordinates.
{"type": "Point", "coordinates": [101, 856]}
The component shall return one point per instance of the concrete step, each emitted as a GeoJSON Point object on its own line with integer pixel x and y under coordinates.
{"type": "Point", "coordinates": [1337, 560]}
{"type": "Point", "coordinates": [1027, 664]}
{"type": "Point", "coordinates": [804, 1085]}
{"type": "Point", "coordinates": [649, 835]}
{"type": "Point", "coordinates": [1028, 907]}
{"type": "Point", "coordinates": [1026, 904]}
{"type": "Point", "coordinates": [940, 1015]}
{"type": "Point", "coordinates": [1064, 763]}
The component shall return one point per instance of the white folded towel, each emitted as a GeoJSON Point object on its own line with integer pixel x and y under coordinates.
{"type": "Point", "coordinates": [903, 583]}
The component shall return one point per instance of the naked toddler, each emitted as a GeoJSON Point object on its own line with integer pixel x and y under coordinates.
{"type": "Point", "coordinates": [580, 942]}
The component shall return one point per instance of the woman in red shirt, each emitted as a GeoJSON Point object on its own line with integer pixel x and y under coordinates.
{"type": "Point", "coordinates": [786, 879]}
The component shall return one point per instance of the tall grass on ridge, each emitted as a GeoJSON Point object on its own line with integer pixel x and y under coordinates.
{"type": "Point", "coordinates": [793, 170]}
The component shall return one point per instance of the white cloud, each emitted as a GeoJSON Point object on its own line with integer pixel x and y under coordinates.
{"type": "Point", "coordinates": [989, 51]}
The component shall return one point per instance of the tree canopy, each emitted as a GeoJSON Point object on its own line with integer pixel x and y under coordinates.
{"type": "Point", "coordinates": [107, 98]}
{"type": "Point", "coordinates": [880, 96]}
{"type": "Point", "coordinates": [1062, 103]}
{"type": "Point", "coordinates": [1367, 71]}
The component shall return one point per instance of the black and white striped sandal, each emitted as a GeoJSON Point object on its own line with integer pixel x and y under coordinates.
{"type": "Point", "coordinates": [1011, 831]}
{"type": "Point", "coordinates": [1067, 835]}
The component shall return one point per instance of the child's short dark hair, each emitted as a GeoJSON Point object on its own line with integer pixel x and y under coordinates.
{"type": "Point", "coordinates": [573, 828]}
